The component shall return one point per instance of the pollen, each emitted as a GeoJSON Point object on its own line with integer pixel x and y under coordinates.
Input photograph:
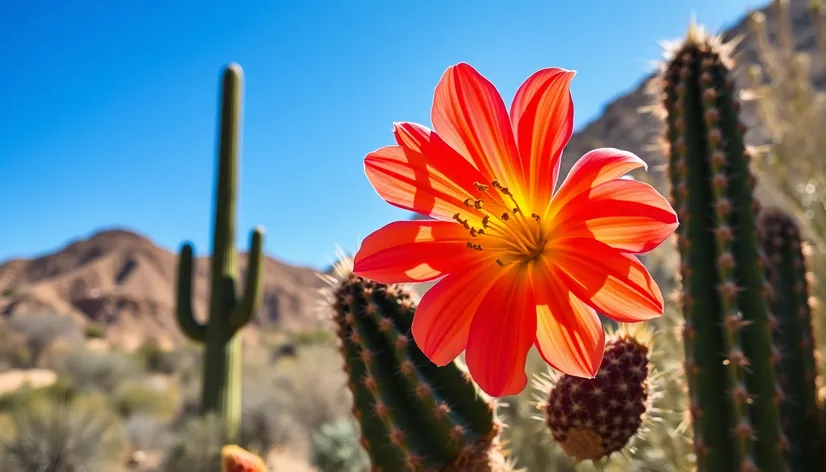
{"type": "Point", "coordinates": [501, 226]}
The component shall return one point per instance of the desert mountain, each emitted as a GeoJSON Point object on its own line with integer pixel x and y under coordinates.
{"type": "Point", "coordinates": [121, 280]}
{"type": "Point", "coordinates": [623, 125]}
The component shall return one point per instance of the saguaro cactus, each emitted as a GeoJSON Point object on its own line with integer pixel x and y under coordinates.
{"type": "Point", "coordinates": [794, 337]}
{"type": "Point", "coordinates": [413, 415]}
{"type": "Point", "coordinates": [228, 313]}
{"type": "Point", "coordinates": [728, 340]}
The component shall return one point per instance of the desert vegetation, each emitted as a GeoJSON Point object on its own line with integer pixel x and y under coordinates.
{"type": "Point", "coordinates": [729, 378]}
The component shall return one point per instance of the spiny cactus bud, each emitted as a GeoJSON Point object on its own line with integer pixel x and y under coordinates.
{"type": "Point", "coordinates": [593, 418]}
{"type": "Point", "coordinates": [236, 459]}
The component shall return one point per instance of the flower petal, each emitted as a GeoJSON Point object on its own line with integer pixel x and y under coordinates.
{"type": "Point", "coordinates": [443, 317]}
{"type": "Point", "coordinates": [624, 214]}
{"type": "Point", "coordinates": [413, 251]}
{"type": "Point", "coordinates": [469, 114]}
{"type": "Point", "coordinates": [593, 168]}
{"type": "Point", "coordinates": [542, 114]}
{"type": "Point", "coordinates": [569, 335]}
{"type": "Point", "coordinates": [501, 334]}
{"type": "Point", "coordinates": [616, 284]}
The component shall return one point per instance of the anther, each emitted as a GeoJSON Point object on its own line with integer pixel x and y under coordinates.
{"type": "Point", "coordinates": [535, 216]}
{"type": "Point", "coordinates": [499, 261]}
{"type": "Point", "coordinates": [478, 204]}
{"type": "Point", "coordinates": [505, 216]}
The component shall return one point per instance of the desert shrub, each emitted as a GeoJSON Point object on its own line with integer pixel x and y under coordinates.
{"type": "Point", "coordinates": [312, 337]}
{"type": "Point", "coordinates": [94, 331]}
{"type": "Point", "coordinates": [312, 388]}
{"type": "Point", "coordinates": [101, 371]}
{"type": "Point", "coordinates": [80, 436]}
{"type": "Point", "coordinates": [20, 399]}
{"type": "Point", "coordinates": [40, 330]}
{"type": "Point", "coordinates": [264, 424]}
{"type": "Point", "coordinates": [146, 432]}
{"type": "Point", "coordinates": [196, 446]}
{"type": "Point", "coordinates": [140, 396]}
{"type": "Point", "coordinates": [14, 354]}
{"type": "Point", "coordinates": [336, 447]}
{"type": "Point", "coordinates": [155, 358]}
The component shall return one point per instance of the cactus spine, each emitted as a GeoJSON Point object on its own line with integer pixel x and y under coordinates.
{"type": "Point", "coordinates": [794, 337]}
{"type": "Point", "coordinates": [729, 352]}
{"type": "Point", "coordinates": [413, 415]}
{"type": "Point", "coordinates": [228, 313]}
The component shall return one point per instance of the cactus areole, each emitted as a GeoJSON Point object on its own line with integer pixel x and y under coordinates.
{"type": "Point", "coordinates": [228, 312]}
{"type": "Point", "coordinates": [522, 266]}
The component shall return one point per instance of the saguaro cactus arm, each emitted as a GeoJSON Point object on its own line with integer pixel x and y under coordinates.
{"type": "Point", "coordinates": [248, 303]}
{"type": "Point", "coordinates": [193, 329]}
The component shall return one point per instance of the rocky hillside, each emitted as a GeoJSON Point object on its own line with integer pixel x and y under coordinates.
{"type": "Point", "coordinates": [121, 280]}
{"type": "Point", "coordinates": [625, 124]}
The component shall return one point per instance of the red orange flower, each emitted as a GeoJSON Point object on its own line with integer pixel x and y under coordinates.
{"type": "Point", "coordinates": [521, 265]}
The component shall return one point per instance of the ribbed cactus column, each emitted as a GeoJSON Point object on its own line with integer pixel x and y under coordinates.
{"type": "Point", "coordinates": [794, 338]}
{"type": "Point", "coordinates": [228, 313]}
{"type": "Point", "coordinates": [729, 352]}
{"type": "Point", "coordinates": [413, 415]}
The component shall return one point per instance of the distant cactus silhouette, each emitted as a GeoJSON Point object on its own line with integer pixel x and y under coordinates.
{"type": "Point", "coordinates": [228, 313]}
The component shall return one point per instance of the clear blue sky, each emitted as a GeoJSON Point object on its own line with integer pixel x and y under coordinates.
{"type": "Point", "coordinates": [109, 108]}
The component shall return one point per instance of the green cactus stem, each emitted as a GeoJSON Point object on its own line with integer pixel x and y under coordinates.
{"type": "Point", "coordinates": [228, 312]}
{"type": "Point", "coordinates": [728, 341]}
{"type": "Point", "coordinates": [793, 334]}
{"type": "Point", "coordinates": [413, 415]}
{"type": "Point", "coordinates": [593, 418]}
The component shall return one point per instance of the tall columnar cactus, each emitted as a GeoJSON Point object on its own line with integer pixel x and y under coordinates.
{"type": "Point", "coordinates": [228, 313]}
{"type": "Point", "coordinates": [728, 341]}
{"type": "Point", "coordinates": [413, 415]}
{"type": "Point", "coordinates": [789, 303]}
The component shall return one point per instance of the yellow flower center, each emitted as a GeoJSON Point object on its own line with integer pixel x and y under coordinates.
{"type": "Point", "coordinates": [505, 228]}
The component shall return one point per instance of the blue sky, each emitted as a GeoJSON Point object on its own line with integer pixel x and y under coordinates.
{"type": "Point", "coordinates": [109, 108]}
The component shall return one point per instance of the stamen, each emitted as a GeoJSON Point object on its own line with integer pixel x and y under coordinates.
{"type": "Point", "coordinates": [513, 243]}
